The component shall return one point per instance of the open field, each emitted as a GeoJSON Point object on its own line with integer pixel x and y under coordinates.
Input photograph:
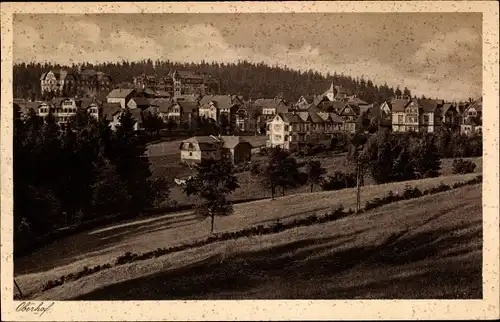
{"type": "Point", "coordinates": [103, 245]}
{"type": "Point", "coordinates": [427, 248]}
{"type": "Point", "coordinates": [251, 187]}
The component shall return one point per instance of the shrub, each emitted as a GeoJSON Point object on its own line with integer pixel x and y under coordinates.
{"type": "Point", "coordinates": [339, 180]}
{"type": "Point", "coordinates": [461, 166]}
{"type": "Point", "coordinates": [255, 169]}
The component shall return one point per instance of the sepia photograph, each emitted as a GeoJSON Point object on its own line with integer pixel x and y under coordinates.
{"type": "Point", "coordinates": [176, 156]}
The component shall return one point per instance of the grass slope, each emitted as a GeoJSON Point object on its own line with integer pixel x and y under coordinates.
{"type": "Point", "coordinates": [104, 245]}
{"type": "Point", "coordinates": [427, 248]}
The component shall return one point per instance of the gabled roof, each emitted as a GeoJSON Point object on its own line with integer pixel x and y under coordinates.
{"type": "Point", "coordinates": [308, 98]}
{"type": "Point", "coordinates": [356, 101]}
{"type": "Point", "coordinates": [120, 93]}
{"type": "Point", "coordinates": [163, 104]}
{"type": "Point", "coordinates": [210, 142]}
{"type": "Point", "coordinates": [230, 142]}
{"type": "Point", "coordinates": [399, 105]}
{"type": "Point", "coordinates": [338, 106]}
{"type": "Point", "coordinates": [221, 101]}
{"type": "Point", "coordinates": [188, 97]}
{"type": "Point", "coordinates": [187, 107]}
{"type": "Point", "coordinates": [447, 106]}
{"type": "Point", "coordinates": [271, 103]}
{"type": "Point", "coordinates": [429, 105]}
{"type": "Point", "coordinates": [315, 118]}
{"type": "Point", "coordinates": [290, 117]}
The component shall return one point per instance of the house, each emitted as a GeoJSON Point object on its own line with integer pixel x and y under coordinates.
{"type": "Point", "coordinates": [59, 82]}
{"type": "Point", "coordinates": [214, 106]}
{"type": "Point", "coordinates": [187, 82]}
{"type": "Point", "coordinates": [138, 102]}
{"type": "Point", "coordinates": [247, 117]}
{"type": "Point", "coordinates": [472, 118]}
{"type": "Point", "coordinates": [271, 107]}
{"type": "Point", "coordinates": [161, 107]}
{"type": "Point", "coordinates": [450, 116]}
{"type": "Point", "coordinates": [198, 148]}
{"type": "Point", "coordinates": [415, 115]}
{"type": "Point", "coordinates": [92, 82]}
{"type": "Point", "coordinates": [121, 95]}
{"type": "Point", "coordinates": [297, 129]}
{"type": "Point", "coordinates": [350, 114]}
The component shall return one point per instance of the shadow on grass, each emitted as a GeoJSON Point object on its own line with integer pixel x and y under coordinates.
{"type": "Point", "coordinates": [85, 244]}
{"type": "Point", "coordinates": [289, 272]}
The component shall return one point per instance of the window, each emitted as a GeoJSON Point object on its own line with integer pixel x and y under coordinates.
{"type": "Point", "coordinates": [277, 137]}
{"type": "Point", "coordinates": [426, 118]}
{"type": "Point", "coordinates": [190, 154]}
{"type": "Point", "coordinates": [277, 127]}
{"type": "Point", "coordinates": [286, 137]}
{"type": "Point", "coordinates": [286, 127]}
{"type": "Point", "coordinates": [400, 119]}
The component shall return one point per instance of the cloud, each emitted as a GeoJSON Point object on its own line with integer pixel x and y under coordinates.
{"type": "Point", "coordinates": [444, 66]}
{"type": "Point", "coordinates": [89, 31]}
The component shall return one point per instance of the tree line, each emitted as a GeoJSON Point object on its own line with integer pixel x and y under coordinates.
{"type": "Point", "coordinates": [386, 157]}
{"type": "Point", "coordinates": [251, 80]}
{"type": "Point", "coordinates": [63, 177]}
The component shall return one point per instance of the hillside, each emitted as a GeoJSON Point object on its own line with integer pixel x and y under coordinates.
{"type": "Point", "coordinates": [424, 248]}
{"type": "Point", "coordinates": [243, 78]}
{"type": "Point", "coordinates": [104, 245]}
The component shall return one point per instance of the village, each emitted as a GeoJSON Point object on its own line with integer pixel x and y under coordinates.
{"type": "Point", "coordinates": [225, 156]}
{"type": "Point", "coordinates": [183, 102]}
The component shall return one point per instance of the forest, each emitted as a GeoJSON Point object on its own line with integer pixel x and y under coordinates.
{"type": "Point", "coordinates": [251, 80]}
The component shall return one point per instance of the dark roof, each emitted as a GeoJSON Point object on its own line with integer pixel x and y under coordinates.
{"type": "Point", "coordinates": [429, 105]}
{"type": "Point", "coordinates": [188, 106]}
{"type": "Point", "coordinates": [290, 117]}
{"type": "Point", "coordinates": [272, 103]}
{"type": "Point", "coordinates": [141, 101]}
{"type": "Point", "coordinates": [110, 109]}
{"type": "Point", "coordinates": [221, 101]}
{"type": "Point", "coordinates": [120, 93]}
{"type": "Point", "coordinates": [338, 106]}
{"type": "Point", "coordinates": [163, 104]}
{"type": "Point", "coordinates": [315, 118]}
{"type": "Point", "coordinates": [399, 105]}
{"type": "Point", "coordinates": [188, 98]}
{"type": "Point", "coordinates": [448, 106]}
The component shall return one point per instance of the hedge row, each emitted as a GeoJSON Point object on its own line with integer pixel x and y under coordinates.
{"type": "Point", "coordinates": [411, 193]}
{"type": "Point", "coordinates": [276, 227]}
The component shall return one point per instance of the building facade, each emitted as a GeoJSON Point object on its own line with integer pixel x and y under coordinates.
{"type": "Point", "coordinates": [199, 148]}
{"type": "Point", "coordinates": [80, 83]}
{"type": "Point", "coordinates": [294, 131]}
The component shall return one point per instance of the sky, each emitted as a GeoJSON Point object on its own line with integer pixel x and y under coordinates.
{"type": "Point", "coordinates": [438, 55]}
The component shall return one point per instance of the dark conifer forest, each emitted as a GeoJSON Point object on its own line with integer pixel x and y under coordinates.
{"type": "Point", "coordinates": [252, 80]}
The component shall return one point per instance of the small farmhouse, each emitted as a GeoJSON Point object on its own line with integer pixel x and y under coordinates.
{"type": "Point", "coordinates": [200, 148]}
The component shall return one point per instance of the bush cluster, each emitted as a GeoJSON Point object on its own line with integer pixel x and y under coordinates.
{"type": "Point", "coordinates": [461, 166]}
{"type": "Point", "coordinates": [339, 180]}
{"type": "Point", "coordinates": [411, 193]}
{"type": "Point", "coordinates": [75, 276]}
